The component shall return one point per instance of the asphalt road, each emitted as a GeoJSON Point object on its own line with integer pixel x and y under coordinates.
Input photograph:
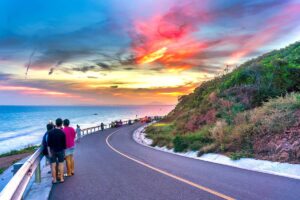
{"type": "Point", "coordinates": [110, 165]}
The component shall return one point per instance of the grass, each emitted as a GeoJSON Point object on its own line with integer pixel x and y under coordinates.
{"type": "Point", "coordinates": [239, 155]}
{"type": "Point", "coordinates": [161, 134]}
{"type": "Point", "coordinates": [28, 149]}
{"type": "Point", "coordinates": [260, 98]}
{"type": "Point", "coordinates": [237, 138]}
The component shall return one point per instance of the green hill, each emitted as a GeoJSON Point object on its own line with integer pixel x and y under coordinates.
{"type": "Point", "coordinates": [253, 111]}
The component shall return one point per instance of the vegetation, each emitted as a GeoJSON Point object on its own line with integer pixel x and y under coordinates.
{"type": "Point", "coordinates": [5, 164]}
{"type": "Point", "coordinates": [29, 149]}
{"type": "Point", "coordinates": [227, 114]}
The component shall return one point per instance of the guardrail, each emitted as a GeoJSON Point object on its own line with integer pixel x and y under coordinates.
{"type": "Point", "coordinates": [17, 185]}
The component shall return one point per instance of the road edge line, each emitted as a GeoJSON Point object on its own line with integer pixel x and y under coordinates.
{"type": "Point", "coordinates": [203, 188]}
{"type": "Point", "coordinates": [228, 165]}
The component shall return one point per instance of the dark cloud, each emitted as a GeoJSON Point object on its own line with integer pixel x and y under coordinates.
{"type": "Point", "coordinates": [85, 69]}
{"type": "Point", "coordinates": [92, 77]}
{"type": "Point", "coordinates": [104, 65]}
{"type": "Point", "coordinates": [114, 86]}
{"type": "Point", "coordinates": [28, 65]}
{"type": "Point", "coordinates": [5, 77]}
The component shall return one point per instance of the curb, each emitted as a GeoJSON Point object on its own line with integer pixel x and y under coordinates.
{"type": "Point", "coordinates": [215, 162]}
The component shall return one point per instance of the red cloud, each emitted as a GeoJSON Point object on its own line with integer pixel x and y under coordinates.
{"type": "Point", "coordinates": [167, 38]}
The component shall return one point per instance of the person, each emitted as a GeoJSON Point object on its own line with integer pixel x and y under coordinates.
{"type": "Point", "coordinates": [102, 126]}
{"type": "Point", "coordinates": [70, 144]}
{"type": "Point", "coordinates": [49, 127]}
{"type": "Point", "coordinates": [56, 149]}
{"type": "Point", "coordinates": [78, 132]}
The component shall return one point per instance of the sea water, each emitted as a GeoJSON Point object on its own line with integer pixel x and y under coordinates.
{"type": "Point", "coordinates": [21, 126]}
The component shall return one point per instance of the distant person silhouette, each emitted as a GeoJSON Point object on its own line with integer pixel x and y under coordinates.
{"type": "Point", "coordinates": [102, 126]}
{"type": "Point", "coordinates": [78, 133]}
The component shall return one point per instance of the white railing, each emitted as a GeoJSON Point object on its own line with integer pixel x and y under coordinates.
{"type": "Point", "coordinates": [16, 187]}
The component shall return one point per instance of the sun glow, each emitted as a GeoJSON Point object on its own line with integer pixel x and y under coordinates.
{"type": "Point", "coordinates": [153, 56]}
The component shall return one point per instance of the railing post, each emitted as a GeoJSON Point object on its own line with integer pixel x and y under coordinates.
{"type": "Point", "coordinates": [38, 177]}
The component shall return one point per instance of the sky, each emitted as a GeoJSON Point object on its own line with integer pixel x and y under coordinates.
{"type": "Point", "coordinates": [131, 52]}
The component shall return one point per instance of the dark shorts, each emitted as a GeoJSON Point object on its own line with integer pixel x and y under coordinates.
{"type": "Point", "coordinates": [57, 157]}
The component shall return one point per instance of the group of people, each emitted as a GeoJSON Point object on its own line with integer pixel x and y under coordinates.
{"type": "Point", "coordinates": [58, 146]}
{"type": "Point", "coordinates": [116, 124]}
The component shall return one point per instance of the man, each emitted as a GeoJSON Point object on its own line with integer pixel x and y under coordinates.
{"type": "Point", "coordinates": [56, 147]}
{"type": "Point", "coordinates": [70, 144]}
{"type": "Point", "coordinates": [49, 127]}
{"type": "Point", "coordinates": [102, 126]}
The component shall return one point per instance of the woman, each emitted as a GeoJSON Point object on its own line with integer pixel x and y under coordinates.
{"type": "Point", "coordinates": [70, 144]}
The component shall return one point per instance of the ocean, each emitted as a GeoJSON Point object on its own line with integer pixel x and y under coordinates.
{"type": "Point", "coordinates": [21, 126]}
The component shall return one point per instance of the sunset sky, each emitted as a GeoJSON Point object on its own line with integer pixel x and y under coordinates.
{"type": "Point", "coordinates": [129, 52]}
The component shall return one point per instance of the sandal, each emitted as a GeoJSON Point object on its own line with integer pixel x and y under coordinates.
{"type": "Point", "coordinates": [54, 182]}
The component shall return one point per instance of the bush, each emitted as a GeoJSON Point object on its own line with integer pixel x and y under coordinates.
{"type": "Point", "coordinates": [192, 141]}
{"type": "Point", "coordinates": [276, 115]}
{"type": "Point", "coordinates": [180, 144]}
{"type": "Point", "coordinates": [239, 155]}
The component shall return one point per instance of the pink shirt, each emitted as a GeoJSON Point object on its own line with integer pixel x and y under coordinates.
{"type": "Point", "coordinates": [70, 136]}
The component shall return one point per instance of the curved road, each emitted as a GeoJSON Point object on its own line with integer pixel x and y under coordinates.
{"type": "Point", "coordinates": [110, 165]}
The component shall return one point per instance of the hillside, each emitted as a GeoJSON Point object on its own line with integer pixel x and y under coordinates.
{"type": "Point", "coordinates": [253, 111]}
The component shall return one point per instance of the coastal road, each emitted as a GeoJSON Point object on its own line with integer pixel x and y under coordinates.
{"type": "Point", "coordinates": [110, 165]}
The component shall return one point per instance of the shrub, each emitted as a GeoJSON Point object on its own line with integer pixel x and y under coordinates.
{"type": "Point", "coordinates": [218, 132]}
{"type": "Point", "coordinates": [180, 144]}
{"type": "Point", "coordinates": [192, 141]}
{"type": "Point", "coordinates": [239, 155]}
{"type": "Point", "coordinates": [208, 149]}
{"type": "Point", "coordinates": [276, 115]}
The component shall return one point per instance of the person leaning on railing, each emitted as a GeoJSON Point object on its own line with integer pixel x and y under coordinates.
{"type": "Point", "coordinates": [56, 149]}
{"type": "Point", "coordinates": [49, 127]}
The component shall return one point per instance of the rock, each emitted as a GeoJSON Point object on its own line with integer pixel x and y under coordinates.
{"type": "Point", "coordinates": [283, 147]}
{"type": "Point", "coordinates": [284, 157]}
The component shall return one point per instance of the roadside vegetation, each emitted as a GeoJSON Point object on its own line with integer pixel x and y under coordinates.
{"type": "Point", "coordinates": [7, 159]}
{"type": "Point", "coordinates": [233, 113]}
{"type": "Point", "coordinates": [29, 149]}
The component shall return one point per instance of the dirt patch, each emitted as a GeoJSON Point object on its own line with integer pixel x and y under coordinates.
{"type": "Point", "coordinates": [282, 147]}
{"type": "Point", "coordinates": [7, 161]}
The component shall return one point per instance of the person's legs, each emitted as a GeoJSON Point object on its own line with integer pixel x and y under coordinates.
{"type": "Point", "coordinates": [53, 167]}
{"type": "Point", "coordinates": [53, 170]}
{"type": "Point", "coordinates": [72, 164]}
{"type": "Point", "coordinates": [69, 165]}
{"type": "Point", "coordinates": [60, 158]}
{"type": "Point", "coordinates": [61, 171]}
